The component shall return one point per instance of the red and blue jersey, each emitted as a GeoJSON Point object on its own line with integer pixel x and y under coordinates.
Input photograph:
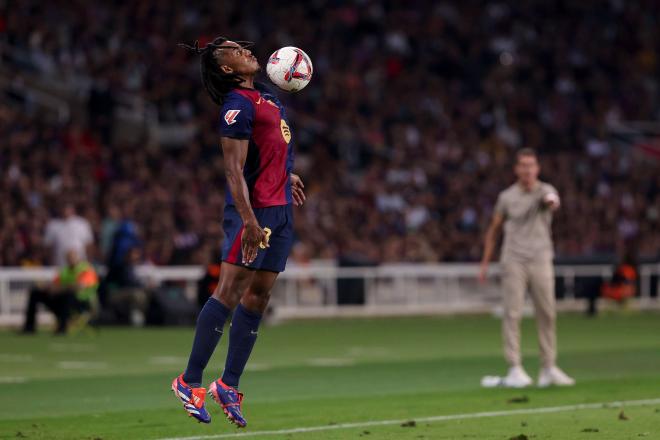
{"type": "Point", "coordinates": [260, 118]}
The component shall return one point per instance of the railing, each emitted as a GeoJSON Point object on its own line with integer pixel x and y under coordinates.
{"type": "Point", "coordinates": [323, 289]}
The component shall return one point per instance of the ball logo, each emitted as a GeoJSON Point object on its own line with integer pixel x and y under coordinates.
{"type": "Point", "coordinates": [273, 58]}
{"type": "Point", "coordinates": [294, 72]}
{"type": "Point", "coordinates": [230, 116]}
{"type": "Point", "coordinates": [286, 133]}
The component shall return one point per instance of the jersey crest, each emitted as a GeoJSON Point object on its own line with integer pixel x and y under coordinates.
{"type": "Point", "coordinates": [286, 133]}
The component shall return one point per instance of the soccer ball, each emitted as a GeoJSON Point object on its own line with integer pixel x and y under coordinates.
{"type": "Point", "coordinates": [290, 69]}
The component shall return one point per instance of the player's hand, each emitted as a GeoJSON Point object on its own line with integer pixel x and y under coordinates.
{"type": "Point", "coordinates": [483, 273]}
{"type": "Point", "coordinates": [297, 188]}
{"type": "Point", "coordinates": [253, 235]}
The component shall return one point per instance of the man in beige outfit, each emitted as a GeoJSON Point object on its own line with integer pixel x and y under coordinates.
{"type": "Point", "coordinates": [525, 209]}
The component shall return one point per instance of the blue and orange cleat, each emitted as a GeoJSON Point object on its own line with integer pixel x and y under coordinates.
{"type": "Point", "coordinates": [192, 399]}
{"type": "Point", "coordinates": [230, 400]}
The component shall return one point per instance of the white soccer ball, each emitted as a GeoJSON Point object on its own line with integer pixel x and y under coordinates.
{"type": "Point", "coordinates": [290, 69]}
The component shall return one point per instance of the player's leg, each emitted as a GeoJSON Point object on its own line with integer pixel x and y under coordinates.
{"type": "Point", "coordinates": [242, 337]}
{"type": "Point", "coordinates": [247, 316]}
{"type": "Point", "coordinates": [210, 324]}
{"type": "Point", "coordinates": [211, 320]}
{"type": "Point", "coordinates": [514, 284]}
{"type": "Point", "coordinates": [542, 289]}
{"type": "Point", "coordinates": [245, 325]}
{"type": "Point", "coordinates": [254, 300]}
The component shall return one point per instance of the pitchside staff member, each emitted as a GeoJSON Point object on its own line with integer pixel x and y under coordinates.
{"type": "Point", "coordinates": [525, 209]}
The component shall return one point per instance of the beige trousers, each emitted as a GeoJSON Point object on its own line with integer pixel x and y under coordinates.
{"type": "Point", "coordinates": [539, 277]}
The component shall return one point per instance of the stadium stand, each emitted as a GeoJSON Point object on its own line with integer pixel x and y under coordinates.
{"type": "Point", "coordinates": [404, 137]}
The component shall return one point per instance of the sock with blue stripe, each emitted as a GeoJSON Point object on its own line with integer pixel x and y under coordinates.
{"type": "Point", "coordinates": [242, 336]}
{"type": "Point", "coordinates": [210, 323]}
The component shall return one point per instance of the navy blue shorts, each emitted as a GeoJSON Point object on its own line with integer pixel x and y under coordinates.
{"type": "Point", "coordinates": [278, 223]}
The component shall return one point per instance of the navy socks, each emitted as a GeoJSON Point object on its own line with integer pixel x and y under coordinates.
{"type": "Point", "coordinates": [210, 323]}
{"type": "Point", "coordinates": [242, 336]}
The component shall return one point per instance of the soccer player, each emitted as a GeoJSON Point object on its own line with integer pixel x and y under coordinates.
{"type": "Point", "coordinates": [525, 209]}
{"type": "Point", "coordinates": [258, 222]}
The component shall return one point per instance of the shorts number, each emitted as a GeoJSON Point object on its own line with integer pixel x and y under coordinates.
{"type": "Point", "coordinates": [268, 232]}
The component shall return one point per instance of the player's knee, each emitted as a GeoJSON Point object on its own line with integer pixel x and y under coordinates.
{"type": "Point", "coordinates": [258, 294]}
{"type": "Point", "coordinates": [256, 299]}
{"type": "Point", "coordinates": [228, 296]}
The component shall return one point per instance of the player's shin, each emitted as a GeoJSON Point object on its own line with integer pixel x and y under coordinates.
{"type": "Point", "coordinates": [242, 337]}
{"type": "Point", "coordinates": [210, 323]}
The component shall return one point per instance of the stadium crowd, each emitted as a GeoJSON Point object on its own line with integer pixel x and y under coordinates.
{"type": "Point", "coordinates": [404, 137]}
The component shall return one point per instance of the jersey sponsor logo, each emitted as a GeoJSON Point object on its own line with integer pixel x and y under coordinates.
{"type": "Point", "coordinates": [286, 133]}
{"type": "Point", "coordinates": [230, 116]}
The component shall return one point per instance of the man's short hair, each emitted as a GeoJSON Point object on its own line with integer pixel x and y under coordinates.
{"type": "Point", "coordinates": [526, 152]}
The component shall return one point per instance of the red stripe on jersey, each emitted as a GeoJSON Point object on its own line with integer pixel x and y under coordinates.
{"type": "Point", "coordinates": [235, 247]}
{"type": "Point", "coordinates": [271, 183]}
{"type": "Point", "coordinates": [269, 188]}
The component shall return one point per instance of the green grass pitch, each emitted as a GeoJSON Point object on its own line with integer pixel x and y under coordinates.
{"type": "Point", "coordinates": [116, 384]}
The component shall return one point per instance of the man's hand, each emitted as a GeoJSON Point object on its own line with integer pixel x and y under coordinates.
{"type": "Point", "coordinates": [551, 200]}
{"type": "Point", "coordinates": [297, 190]}
{"type": "Point", "coordinates": [483, 272]}
{"type": "Point", "coordinates": [253, 235]}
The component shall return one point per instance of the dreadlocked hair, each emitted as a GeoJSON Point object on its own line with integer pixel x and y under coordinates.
{"type": "Point", "coordinates": [216, 82]}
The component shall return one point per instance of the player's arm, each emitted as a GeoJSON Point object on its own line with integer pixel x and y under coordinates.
{"type": "Point", "coordinates": [235, 152]}
{"type": "Point", "coordinates": [297, 186]}
{"type": "Point", "coordinates": [492, 233]}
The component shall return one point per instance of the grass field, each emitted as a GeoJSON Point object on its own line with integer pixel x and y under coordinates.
{"type": "Point", "coordinates": [115, 384]}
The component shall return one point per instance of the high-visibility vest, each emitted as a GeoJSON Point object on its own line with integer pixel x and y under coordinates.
{"type": "Point", "coordinates": [82, 278]}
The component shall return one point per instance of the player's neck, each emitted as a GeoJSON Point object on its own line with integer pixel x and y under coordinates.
{"type": "Point", "coordinates": [247, 82]}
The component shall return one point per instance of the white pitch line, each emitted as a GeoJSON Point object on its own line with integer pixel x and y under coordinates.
{"type": "Point", "coordinates": [13, 379]}
{"type": "Point", "coordinates": [330, 362]}
{"type": "Point", "coordinates": [514, 412]}
{"type": "Point", "coordinates": [81, 365]}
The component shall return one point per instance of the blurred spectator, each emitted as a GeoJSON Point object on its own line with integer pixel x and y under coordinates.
{"type": "Point", "coordinates": [69, 232]}
{"type": "Point", "coordinates": [126, 298]}
{"type": "Point", "coordinates": [125, 252]}
{"type": "Point", "coordinates": [73, 292]}
{"type": "Point", "coordinates": [109, 227]}
{"type": "Point", "coordinates": [125, 239]}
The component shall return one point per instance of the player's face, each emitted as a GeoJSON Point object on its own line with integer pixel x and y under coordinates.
{"type": "Point", "coordinates": [236, 59]}
{"type": "Point", "coordinates": [527, 170]}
